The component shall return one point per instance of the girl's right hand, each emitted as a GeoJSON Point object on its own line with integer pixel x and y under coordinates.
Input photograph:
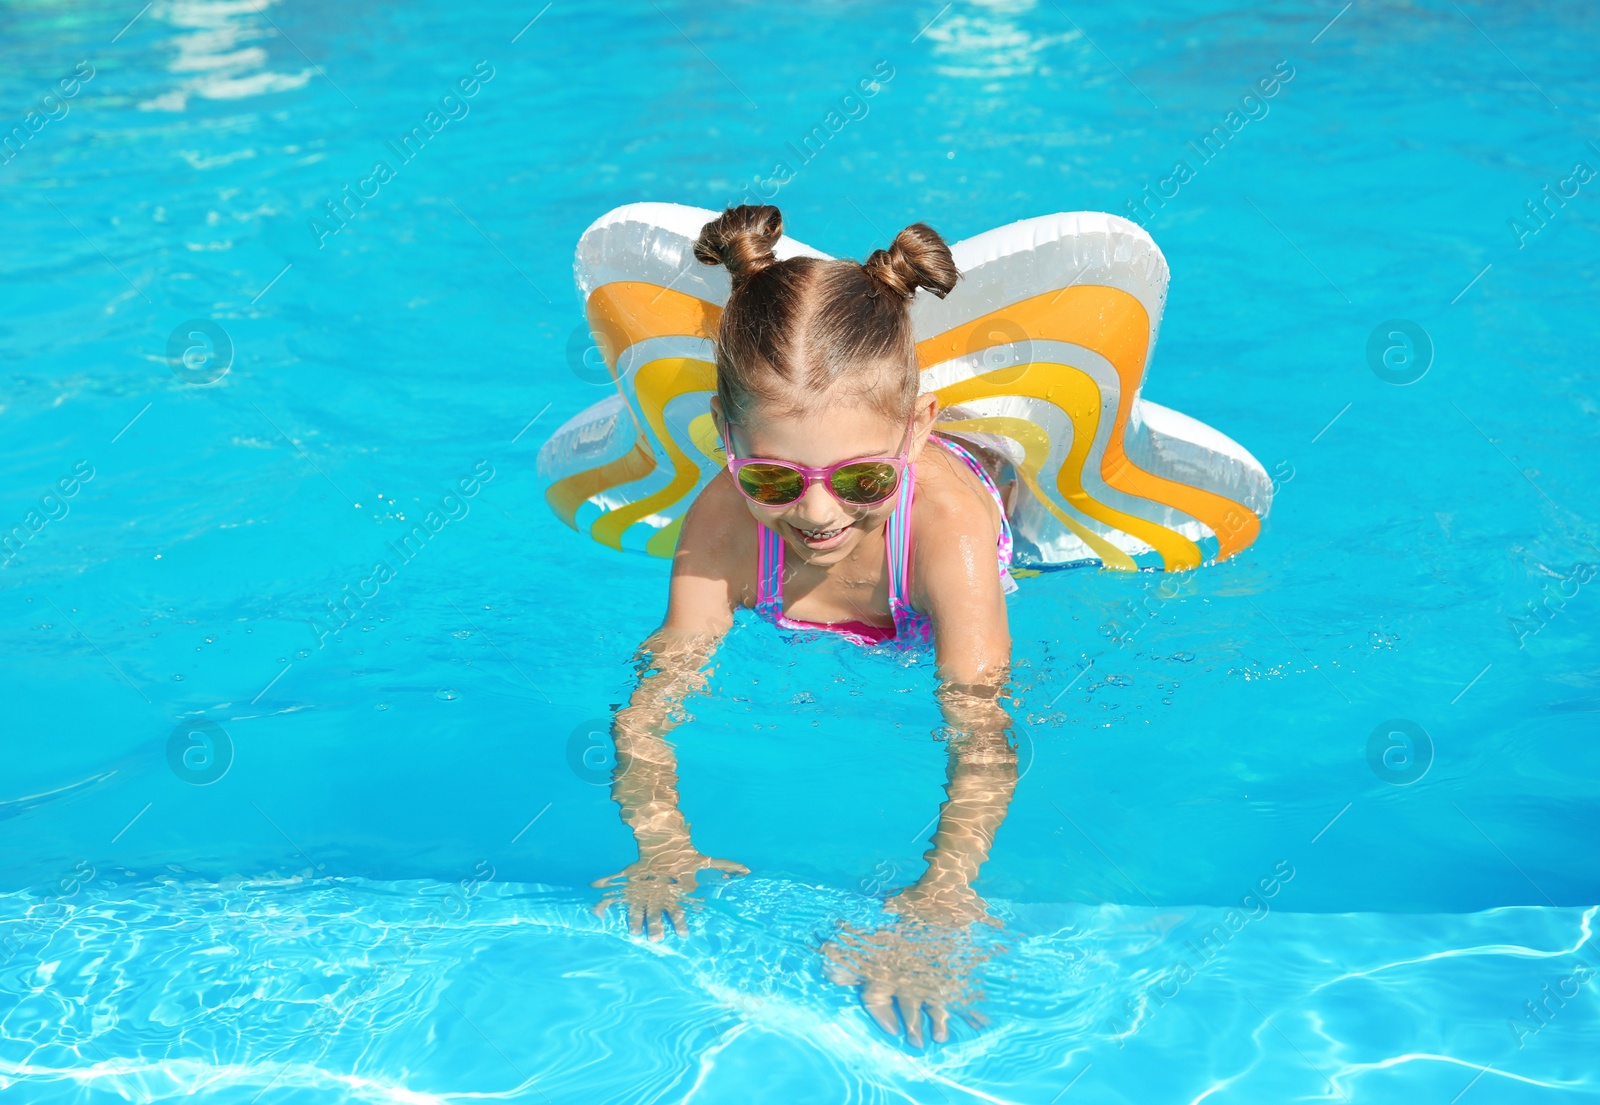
{"type": "Point", "coordinates": [657, 887]}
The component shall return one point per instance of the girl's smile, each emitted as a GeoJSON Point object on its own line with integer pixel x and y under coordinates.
{"type": "Point", "coordinates": [821, 540]}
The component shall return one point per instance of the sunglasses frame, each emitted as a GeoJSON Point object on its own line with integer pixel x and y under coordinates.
{"type": "Point", "coordinates": [809, 476]}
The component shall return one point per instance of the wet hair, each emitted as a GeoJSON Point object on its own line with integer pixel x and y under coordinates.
{"type": "Point", "coordinates": [795, 328]}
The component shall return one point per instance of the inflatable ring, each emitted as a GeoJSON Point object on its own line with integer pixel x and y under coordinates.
{"type": "Point", "coordinates": [1037, 358]}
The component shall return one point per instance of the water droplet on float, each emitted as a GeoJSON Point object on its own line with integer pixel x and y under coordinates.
{"type": "Point", "coordinates": [381, 706]}
{"type": "Point", "coordinates": [446, 695]}
{"type": "Point", "coordinates": [1183, 657]}
{"type": "Point", "coordinates": [177, 679]}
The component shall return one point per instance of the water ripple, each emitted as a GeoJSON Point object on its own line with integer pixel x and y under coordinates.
{"type": "Point", "coordinates": [420, 992]}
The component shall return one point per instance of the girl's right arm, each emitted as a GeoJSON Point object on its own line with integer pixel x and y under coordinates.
{"type": "Point", "coordinates": [714, 567]}
{"type": "Point", "coordinates": [714, 555]}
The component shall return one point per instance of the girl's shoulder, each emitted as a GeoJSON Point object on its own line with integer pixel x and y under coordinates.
{"type": "Point", "coordinates": [950, 499]}
{"type": "Point", "coordinates": [719, 539]}
{"type": "Point", "coordinates": [955, 549]}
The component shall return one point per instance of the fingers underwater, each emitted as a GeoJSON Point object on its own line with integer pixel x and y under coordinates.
{"type": "Point", "coordinates": [879, 1001]}
{"type": "Point", "coordinates": [911, 1010]}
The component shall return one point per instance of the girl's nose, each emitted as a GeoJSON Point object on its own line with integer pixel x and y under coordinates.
{"type": "Point", "coordinates": [817, 508]}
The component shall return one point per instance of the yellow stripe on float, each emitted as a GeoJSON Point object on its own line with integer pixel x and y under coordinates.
{"type": "Point", "coordinates": [655, 385]}
{"type": "Point", "coordinates": [1035, 442]}
{"type": "Point", "coordinates": [1082, 404]}
{"type": "Point", "coordinates": [621, 314]}
{"type": "Point", "coordinates": [566, 495]}
{"type": "Point", "coordinates": [665, 540]}
{"type": "Point", "coordinates": [703, 433]}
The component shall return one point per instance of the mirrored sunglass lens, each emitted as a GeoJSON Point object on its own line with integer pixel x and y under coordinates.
{"type": "Point", "coordinates": [770, 483]}
{"type": "Point", "coordinates": [868, 482]}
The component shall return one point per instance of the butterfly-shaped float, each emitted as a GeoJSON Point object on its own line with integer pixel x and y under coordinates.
{"type": "Point", "coordinates": [1037, 357]}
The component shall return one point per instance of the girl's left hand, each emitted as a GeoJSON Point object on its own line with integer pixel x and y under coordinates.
{"type": "Point", "coordinates": [916, 965]}
{"type": "Point", "coordinates": [941, 902]}
{"type": "Point", "coordinates": [657, 886]}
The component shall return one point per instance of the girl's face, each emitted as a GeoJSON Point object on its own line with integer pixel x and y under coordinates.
{"type": "Point", "coordinates": [824, 529]}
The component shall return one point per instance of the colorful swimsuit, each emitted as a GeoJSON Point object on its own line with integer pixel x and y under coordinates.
{"type": "Point", "coordinates": [911, 628]}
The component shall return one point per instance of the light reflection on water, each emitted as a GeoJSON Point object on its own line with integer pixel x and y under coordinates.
{"type": "Point", "coordinates": [415, 992]}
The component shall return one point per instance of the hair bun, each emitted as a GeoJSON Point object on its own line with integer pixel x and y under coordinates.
{"type": "Point", "coordinates": [741, 239]}
{"type": "Point", "coordinates": [918, 258]}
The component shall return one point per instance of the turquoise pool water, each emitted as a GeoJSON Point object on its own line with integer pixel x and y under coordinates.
{"type": "Point", "coordinates": [368, 880]}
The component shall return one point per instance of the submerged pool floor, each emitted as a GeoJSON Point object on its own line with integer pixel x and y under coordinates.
{"type": "Point", "coordinates": [417, 992]}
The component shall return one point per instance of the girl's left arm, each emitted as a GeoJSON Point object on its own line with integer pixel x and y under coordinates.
{"type": "Point", "coordinates": [957, 577]}
{"type": "Point", "coordinates": [957, 582]}
{"type": "Point", "coordinates": [960, 585]}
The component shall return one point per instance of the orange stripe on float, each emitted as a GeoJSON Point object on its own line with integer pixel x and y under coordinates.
{"type": "Point", "coordinates": [1114, 324]}
{"type": "Point", "coordinates": [621, 314]}
{"type": "Point", "coordinates": [626, 312]}
{"type": "Point", "coordinates": [566, 495]}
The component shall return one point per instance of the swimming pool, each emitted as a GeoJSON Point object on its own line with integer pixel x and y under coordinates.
{"type": "Point", "coordinates": [238, 360]}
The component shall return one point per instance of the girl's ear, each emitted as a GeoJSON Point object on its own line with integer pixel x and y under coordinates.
{"type": "Point", "coordinates": [924, 410]}
{"type": "Point", "coordinates": [716, 411]}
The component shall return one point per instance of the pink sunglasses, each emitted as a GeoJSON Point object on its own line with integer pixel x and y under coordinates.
{"type": "Point", "coordinates": [865, 481]}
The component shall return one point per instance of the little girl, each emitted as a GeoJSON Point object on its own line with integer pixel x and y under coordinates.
{"type": "Point", "coordinates": [840, 511]}
{"type": "Point", "coordinates": [836, 514]}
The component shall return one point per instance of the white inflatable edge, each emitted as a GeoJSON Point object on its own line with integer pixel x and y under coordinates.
{"type": "Point", "coordinates": [998, 267]}
{"type": "Point", "coordinates": [1177, 446]}
{"type": "Point", "coordinates": [627, 244]}
{"type": "Point", "coordinates": [1038, 256]}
